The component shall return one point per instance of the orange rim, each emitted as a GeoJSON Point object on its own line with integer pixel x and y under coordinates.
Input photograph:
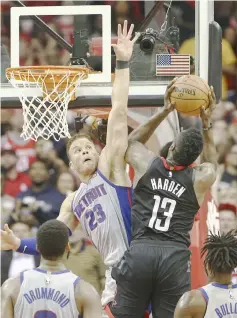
{"type": "Point", "coordinates": [36, 71]}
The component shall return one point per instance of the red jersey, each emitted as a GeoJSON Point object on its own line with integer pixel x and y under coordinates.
{"type": "Point", "coordinates": [25, 152]}
{"type": "Point", "coordinates": [13, 187]}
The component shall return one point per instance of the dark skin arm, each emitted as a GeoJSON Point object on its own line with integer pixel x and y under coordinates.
{"type": "Point", "coordinates": [209, 153]}
{"type": "Point", "coordinates": [191, 305]}
{"type": "Point", "coordinates": [143, 132]}
{"type": "Point", "coordinates": [88, 300]}
{"type": "Point", "coordinates": [205, 174]}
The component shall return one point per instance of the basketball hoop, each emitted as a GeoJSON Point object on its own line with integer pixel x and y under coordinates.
{"type": "Point", "coordinates": [46, 117]}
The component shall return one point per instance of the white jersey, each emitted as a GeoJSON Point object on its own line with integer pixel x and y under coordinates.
{"type": "Point", "coordinates": [44, 295]}
{"type": "Point", "coordinates": [104, 212]}
{"type": "Point", "coordinates": [221, 300]}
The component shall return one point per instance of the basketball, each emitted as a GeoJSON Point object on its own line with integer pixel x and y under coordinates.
{"type": "Point", "coordinates": [190, 94]}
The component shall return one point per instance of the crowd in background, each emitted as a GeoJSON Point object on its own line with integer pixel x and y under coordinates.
{"type": "Point", "coordinates": [35, 176]}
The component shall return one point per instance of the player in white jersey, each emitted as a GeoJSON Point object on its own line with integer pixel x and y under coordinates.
{"type": "Point", "coordinates": [102, 203]}
{"type": "Point", "coordinates": [218, 299]}
{"type": "Point", "coordinates": [50, 290]}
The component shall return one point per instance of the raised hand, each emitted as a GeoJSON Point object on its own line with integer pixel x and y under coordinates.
{"type": "Point", "coordinates": [124, 47]}
{"type": "Point", "coordinates": [9, 241]}
{"type": "Point", "coordinates": [205, 114]}
{"type": "Point", "coordinates": [168, 106]}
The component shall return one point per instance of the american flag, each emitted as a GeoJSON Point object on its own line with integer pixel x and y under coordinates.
{"type": "Point", "coordinates": [172, 64]}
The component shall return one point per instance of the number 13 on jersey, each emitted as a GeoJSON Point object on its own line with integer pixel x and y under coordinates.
{"type": "Point", "coordinates": [168, 206]}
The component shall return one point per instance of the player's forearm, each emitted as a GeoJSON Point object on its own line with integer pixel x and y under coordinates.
{"type": "Point", "coordinates": [209, 153]}
{"type": "Point", "coordinates": [143, 132]}
{"type": "Point", "coordinates": [120, 89]}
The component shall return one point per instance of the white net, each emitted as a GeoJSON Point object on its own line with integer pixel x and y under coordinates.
{"type": "Point", "coordinates": [46, 116]}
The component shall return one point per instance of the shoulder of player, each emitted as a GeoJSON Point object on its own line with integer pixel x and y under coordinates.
{"type": "Point", "coordinates": [11, 286]}
{"type": "Point", "coordinates": [205, 174]}
{"type": "Point", "coordinates": [192, 302]}
{"type": "Point", "coordinates": [85, 293]}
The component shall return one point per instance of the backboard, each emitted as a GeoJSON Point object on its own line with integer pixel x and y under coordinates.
{"type": "Point", "coordinates": [146, 88]}
{"type": "Point", "coordinates": [94, 96]}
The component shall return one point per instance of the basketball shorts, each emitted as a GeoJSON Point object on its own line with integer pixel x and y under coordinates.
{"type": "Point", "coordinates": [156, 272]}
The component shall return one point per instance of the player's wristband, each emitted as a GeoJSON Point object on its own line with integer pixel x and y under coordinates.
{"type": "Point", "coordinates": [207, 128]}
{"type": "Point", "coordinates": [28, 246]}
{"type": "Point", "coordinates": [120, 65]}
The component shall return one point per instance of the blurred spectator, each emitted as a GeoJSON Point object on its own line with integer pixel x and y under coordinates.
{"type": "Point", "coordinates": [233, 130]}
{"type": "Point", "coordinates": [229, 176]}
{"type": "Point", "coordinates": [223, 11]}
{"type": "Point", "coordinates": [221, 138]}
{"type": "Point", "coordinates": [45, 152]}
{"type": "Point", "coordinates": [25, 149]}
{"type": "Point", "coordinates": [66, 183]}
{"type": "Point", "coordinates": [7, 202]}
{"type": "Point", "coordinates": [15, 182]}
{"type": "Point", "coordinates": [41, 202]}
{"type": "Point", "coordinates": [5, 61]}
{"type": "Point", "coordinates": [228, 60]}
{"type": "Point", "coordinates": [125, 10]}
{"type": "Point", "coordinates": [12, 263]}
{"type": "Point", "coordinates": [85, 261]}
{"type": "Point", "coordinates": [227, 217]}
{"type": "Point", "coordinates": [184, 13]}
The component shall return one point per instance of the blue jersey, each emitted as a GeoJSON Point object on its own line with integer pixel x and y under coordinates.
{"type": "Point", "coordinates": [104, 212]}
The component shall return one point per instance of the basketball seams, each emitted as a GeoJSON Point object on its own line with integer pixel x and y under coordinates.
{"type": "Point", "coordinates": [194, 78]}
{"type": "Point", "coordinates": [188, 98]}
{"type": "Point", "coordinates": [190, 111]}
{"type": "Point", "coordinates": [206, 85]}
{"type": "Point", "coordinates": [191, 86]}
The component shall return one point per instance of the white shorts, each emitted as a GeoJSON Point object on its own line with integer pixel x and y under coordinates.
{"type": "Point", "coordinates": [109, 291]}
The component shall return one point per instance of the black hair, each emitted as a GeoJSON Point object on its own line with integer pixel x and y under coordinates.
{"type": "Point", "coordinates": [165, 149]}
{"type": "Point", "coordinates": [52, 239]}
{"type": "Point", "coordinates": [189, 145]}
{"type": "Point", "coordinates": [221, 254]}
{"type": "Point", "coordinates": [39, 161]}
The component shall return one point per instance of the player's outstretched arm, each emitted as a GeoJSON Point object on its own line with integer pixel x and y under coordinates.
{"type": "Point", "coordinates": [9, 241]}
{"type": "Point", "coordinates": [88, 300]}
{"type": "Point", "coordinates": [205, 174]}
{"type": "Point", "coordinates": [117, 131]}
{"type": "Point", "coordinates": [140, 158]}
{"type": "Point", "coordinates": [191, 305]}
{"type": "Point", "coordinates": [143, 132]}
{"type": "Point", "coordinates": [9, 291]}
{"type": "Point", "coordinates": [209, 153]}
